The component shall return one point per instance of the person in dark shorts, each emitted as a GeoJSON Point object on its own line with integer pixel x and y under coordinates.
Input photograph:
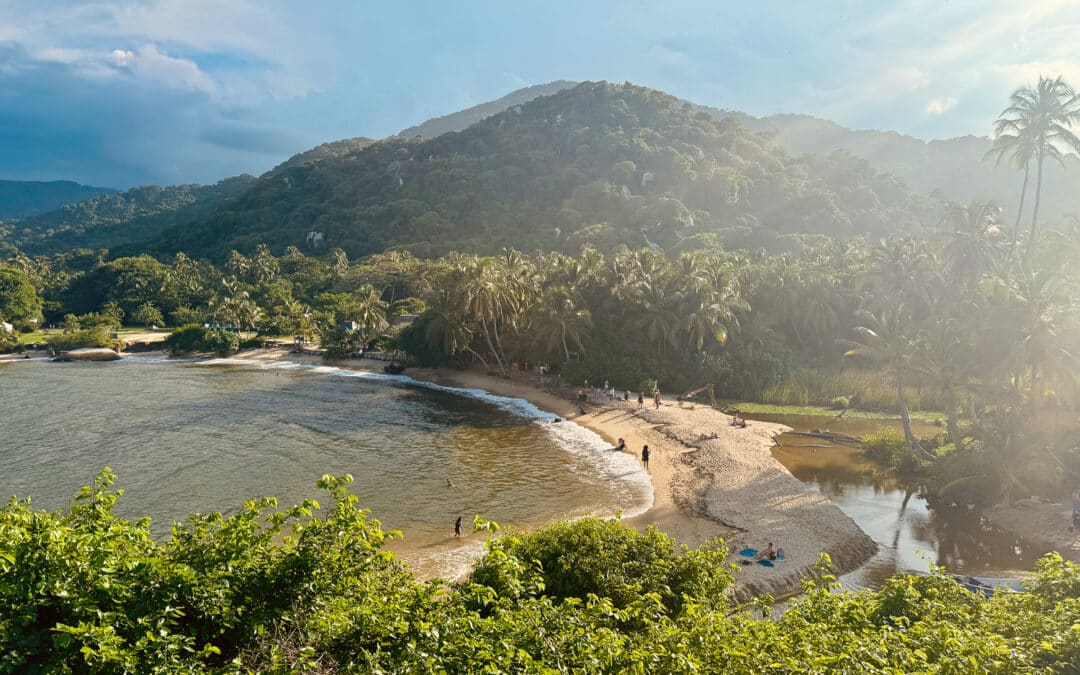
{"type": "Point", "coordinates": [645, 457]}
{"type": "Point", "coordinates": [640, 399]}
{"type": "Point", "coordinates": [457, 528]}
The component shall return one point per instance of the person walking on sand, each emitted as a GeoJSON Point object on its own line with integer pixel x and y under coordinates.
{"type": "Point", "coordinates": [1075, 510]}
{"type": "Point", "coordinates": [645, 457]}
{"type": "Point", "coordinates": [656, 399]}
{"type": "Point", "coordinates": [640, 399]}
{"type": "Point", "coordinates": [457, 528]}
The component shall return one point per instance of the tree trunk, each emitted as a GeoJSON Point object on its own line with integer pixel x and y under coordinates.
{"type": "Point", "coordinates": [905, 420]}
{"type": "Point", "coordinates": [1035, 211]}
{"type": "Point", "coordinates": [487, 338]}
{"type": "Point", "coordinates": [905, 416]}
{"type": "Point", "coordinates": [1019, 212]}
{"type": "Point", "coordinates": [950, 422]}
{"type": "Point", "coordinates": [472, 351]}
{"type": "Point", "coordinates": [565, 349]}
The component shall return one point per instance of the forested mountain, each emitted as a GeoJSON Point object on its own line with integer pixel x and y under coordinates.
{"type": "Point", "coordinates": [956, 167]}
{"type": "Point", "coordinates": [462, 119]}
{"type": "Point", "coordinates": [325, 151]}
{"type": "Point", "coordinates": [600, 163]}
{"type": "Point", "coordinates": [520, 177]}
{"type": "Point", "coordinates": [113, 220]}
{"type": "Point", "coordinates": [19, 199]}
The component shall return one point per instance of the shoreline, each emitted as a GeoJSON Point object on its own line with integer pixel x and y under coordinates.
{"type": "Point", "coordinates": [730, 487]}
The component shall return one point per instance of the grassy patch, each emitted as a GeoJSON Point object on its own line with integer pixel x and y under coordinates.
{"type": "Point", "coordinates": [821, 411]}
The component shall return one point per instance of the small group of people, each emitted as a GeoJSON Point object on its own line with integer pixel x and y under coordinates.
{"type": "Point", "coordinates": [645, 452]}
{"type": "Point", "coordinates": [738, 421]}
{"type": "Point", "coordinates": [708, 437]}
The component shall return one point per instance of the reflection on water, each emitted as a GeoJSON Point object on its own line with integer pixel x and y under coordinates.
{"type": "Point", "coordinates": [187, 438]}
{"type": "Point", "coordinates": [911, 536]}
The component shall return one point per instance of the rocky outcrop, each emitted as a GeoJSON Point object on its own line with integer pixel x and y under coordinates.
{"type": "Point", "coordinates": [88, 354]}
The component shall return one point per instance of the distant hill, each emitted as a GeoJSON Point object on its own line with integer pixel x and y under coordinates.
{"type": "Point", "coordinates": [955, 166]}
{"type": "Point", "coordinates": [465, 118]}
{"type": "Point", "coordinates": [19, 199]}
{"type": "Point", "coordinates": [114, 220]}
{"type": "Point", "coordinates": [599, 163]}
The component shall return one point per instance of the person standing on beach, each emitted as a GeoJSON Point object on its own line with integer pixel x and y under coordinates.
{"type": "Point", "coordinates": [640, 399]}
{"type": "Point", "coordinates": [1075, 510]}
{"type": "Point", "coordinates": [645, 457]}
{"type": "Point", "coordinates": [656, 399]}
{"type": "Point", "coordinates": [457, 528]}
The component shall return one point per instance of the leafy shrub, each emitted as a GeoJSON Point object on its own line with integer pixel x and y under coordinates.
{"type": "Point", "coordinates": [198, 339]}
{"type": "Point", "coordinates": [605, 558]}
{"type": "Point", "coordinates": [250, 343]}
{"type": "Point", "coordinates": [290, 590]}
{"type": "Point", "coordinates": [147, 315]}
{"type": "Point", "coordinates": [647, 387]}
{"type": "Point", "coordinates": [840, 403]}
{"type": "Point", "coordinates": [220, 341]}
{"type": "Point", "coordinates": [95, 336]}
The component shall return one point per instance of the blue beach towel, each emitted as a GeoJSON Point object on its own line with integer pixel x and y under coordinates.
{"type": "Point", "coordinates": [766, 563]}
{"type": "Point", "coordinates": [748, 552]}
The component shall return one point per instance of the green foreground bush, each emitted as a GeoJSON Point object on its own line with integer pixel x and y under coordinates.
{"type": "Point", "coordinates": [295, 590]}
{"type": "Point", "coordinates": [198, 339]}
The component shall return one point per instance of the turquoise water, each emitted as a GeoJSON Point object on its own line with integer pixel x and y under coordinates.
{"type": "Point", "coordinates": [204, 436]}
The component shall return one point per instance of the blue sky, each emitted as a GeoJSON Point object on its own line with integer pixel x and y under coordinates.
{"type": "Point", "coordinates": [130, 92]}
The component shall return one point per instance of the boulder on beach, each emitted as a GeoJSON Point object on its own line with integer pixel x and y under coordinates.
{"type": "Point", "coordinates": [88, 354]}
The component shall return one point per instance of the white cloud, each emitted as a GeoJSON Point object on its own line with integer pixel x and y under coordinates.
{"type": "Point", "coordinates": [121, 58]}
{"type": "Point", "coordinates": [938, 106]}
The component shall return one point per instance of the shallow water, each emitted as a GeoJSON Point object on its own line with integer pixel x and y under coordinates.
{"type": "Point", "coordinates": [204, 436]}
{"type": "Point", "coordinates": [911, 536]}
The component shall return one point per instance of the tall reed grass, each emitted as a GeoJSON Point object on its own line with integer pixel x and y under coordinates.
{"type": "Point", "coordinates": [876, 389]}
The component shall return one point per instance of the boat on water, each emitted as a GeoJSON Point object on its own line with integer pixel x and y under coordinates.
{"type": "Point", "coordinates": [989, 585]}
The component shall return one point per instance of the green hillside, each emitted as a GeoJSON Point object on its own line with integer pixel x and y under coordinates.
{"type": "Point", "coordinates": [954, 167]}
{"type": "Point", "coordinates": [600, 163]}
{"type": "Point", "coordinates": [115, 220]}
{"type": "Point", "coordinates": [19, 199]}
{"type": "Point", "coordinates": [456, 121]}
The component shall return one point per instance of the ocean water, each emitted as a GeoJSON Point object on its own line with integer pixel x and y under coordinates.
{"type": "Point", "coordinates": [204, 435]}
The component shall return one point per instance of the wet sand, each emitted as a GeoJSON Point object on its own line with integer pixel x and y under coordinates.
{"type": "Point", "coordinates": [1045, 523]}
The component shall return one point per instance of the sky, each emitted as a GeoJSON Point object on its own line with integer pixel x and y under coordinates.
{"type": "Point", "coordinates": [135, 92]}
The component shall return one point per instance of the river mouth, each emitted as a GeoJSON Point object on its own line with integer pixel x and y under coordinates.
{"type": "Point", "coordinates": [911, 536]}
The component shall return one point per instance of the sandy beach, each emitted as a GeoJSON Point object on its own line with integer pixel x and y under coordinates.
{"type": "Point", "coordinates": [730, 487]}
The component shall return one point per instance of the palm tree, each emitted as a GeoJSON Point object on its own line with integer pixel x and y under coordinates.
{"type": "Point", "coordinates": [1034, 126]}
{"type": "Point", "coordinates": [972, 245]}
{"type": "Point", "coordinates": [369, 311]}
{"type": "Point", "coordinates": [884, 340]}
{"type": "Point", "coordinates": [558, 320]}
